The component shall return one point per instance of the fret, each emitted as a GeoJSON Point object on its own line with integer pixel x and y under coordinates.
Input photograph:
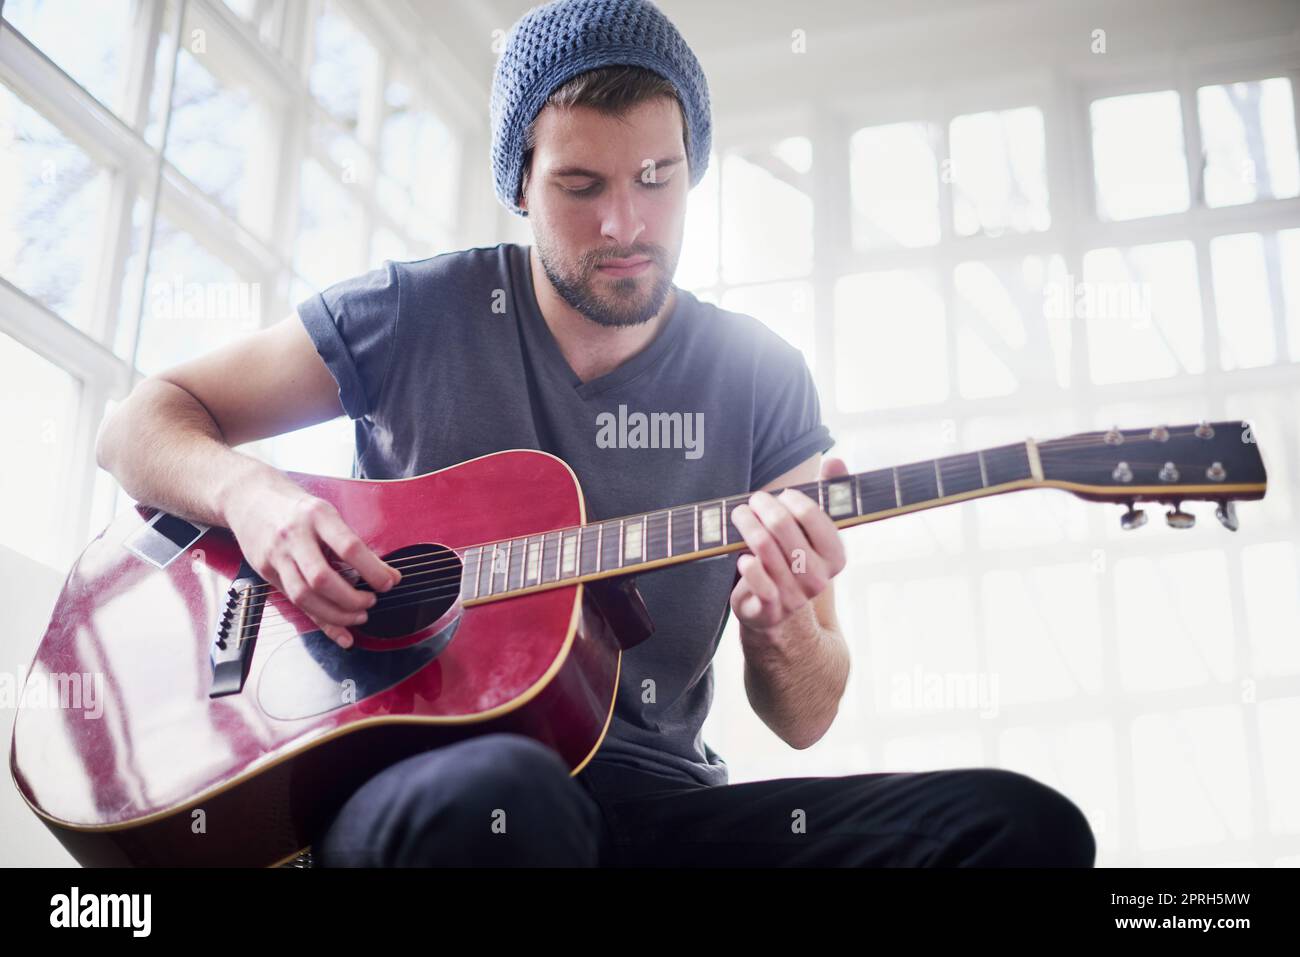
{"type": "Point", "coordinates": [611, 545]}
{"type": "Point", "coordinates": [683, 530]}
{"type": "Point", "coordinates": [710, 530]}
{"type": "Point", "coordinates": [569, 554]}
{"type": "Point", "coordinates": [876, 491]}
{"type": "Point", "coordinates": [500, 566]}
{"type": "Point", "coordinates": [984, 475]}
{"type": "Point", "coordinates": [633, 533]}
{"type": "Point", "coordinates": [1007, 463]}
{"type": "Point", "coordinates": [917, 482]}
{"type": "Point", "coordinates": [857, 492]}
{"type": "Point", "coordinates": [484, 570]}
{"type": "Point", "coordinates": [959, 474]}
{"type": "Point", "coordinates": [696, 525]}
{"type": "Point", "coordinates": [821, 495]}
{"type": "Point", "coordinates": [839, 498]}
{"type": "Point", "coordinates": [515, 578]}
{"type": "Point", "coordinates": [532, 562]}
{"type": "Point", "coordinates": [898, 495]}
{"type": "Point", "coordinates": [469, 573]}
{"type": "Point", "coordinates": [1035, 463]}
{"type": "Point", "coordinates": [938, 479]}
{"type": "Point", "coordinates": [589, 549]}
{"type": "Point", "coordinates": [658, 535]}
{"type": "Point", "coordinates": [550, 557]}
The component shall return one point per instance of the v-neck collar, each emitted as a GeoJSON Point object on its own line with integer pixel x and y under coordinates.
{"type": "Point", "coordinates": [532, 316]}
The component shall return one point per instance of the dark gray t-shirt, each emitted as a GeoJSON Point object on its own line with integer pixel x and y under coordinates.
{"type": "Point", "coordinates": [448, 358]}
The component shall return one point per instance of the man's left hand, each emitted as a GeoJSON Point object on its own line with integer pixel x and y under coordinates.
{"type": "Point", "coordinates": [796, 552]}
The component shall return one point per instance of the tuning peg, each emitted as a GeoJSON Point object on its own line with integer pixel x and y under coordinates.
{"type": "Point", "coordinates": [1226, 513]}
{"type": "Point", "coordinates": [1133, 518]}
{"type": "Point", "coordinates": [1177, 518]}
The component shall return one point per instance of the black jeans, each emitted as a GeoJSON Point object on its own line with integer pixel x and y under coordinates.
{"type": "Point", "coordinates": [504, 799]}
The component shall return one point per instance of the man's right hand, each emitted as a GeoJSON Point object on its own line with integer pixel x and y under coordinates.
{"type": "Point", "coordinates": [281, 529]}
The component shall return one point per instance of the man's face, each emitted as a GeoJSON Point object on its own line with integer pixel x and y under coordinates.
{"type": "Point", "coordinates": [603, 189]}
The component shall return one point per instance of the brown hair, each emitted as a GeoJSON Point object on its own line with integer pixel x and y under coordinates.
{"type": "Point", "coordinates": [613, 90]}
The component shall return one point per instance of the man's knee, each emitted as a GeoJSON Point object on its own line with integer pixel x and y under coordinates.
{"type": "Point", "coordinates": [1017, 821]}
{"type": "Point", "coordinates": [494, 799]}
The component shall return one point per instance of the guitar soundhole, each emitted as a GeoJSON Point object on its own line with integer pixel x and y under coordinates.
{"type": "Point", "coordinates": [430, 585]}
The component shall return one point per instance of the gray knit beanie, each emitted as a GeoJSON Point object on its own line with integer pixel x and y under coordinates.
{"type": "Point", "coordinates": [551, 44]}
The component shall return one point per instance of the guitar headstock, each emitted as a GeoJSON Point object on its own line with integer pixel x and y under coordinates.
{"type": "Point", "coordinates": [1211, 462]}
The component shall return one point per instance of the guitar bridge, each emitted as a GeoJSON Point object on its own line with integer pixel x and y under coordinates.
{"type": "Point", "coordinates": [231, 653]}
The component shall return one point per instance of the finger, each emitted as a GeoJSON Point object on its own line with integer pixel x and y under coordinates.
{"type": "Point", "coordinates": [339, 635]}
{"type": "Point", "coordinates": [760, 583]}
{"type": "Point", "coordinates": [348, 546]}
{"type": "Point", "coordinates": [747, 605]}
{"type": "Point", "coordinates": [319, 609]}
{"type": "Point", "coordinates": [778, 519]}
{"type": "Point", "coordinates": [820, 529]}
{"type": "Point", "coordinates": [833, 468]}
{"type": "Point", "coordinates": [324, 579]}
{"type": "Point", "coordinates": [764, 547]}
{"type": "Point", "coordinates": [761, 534]}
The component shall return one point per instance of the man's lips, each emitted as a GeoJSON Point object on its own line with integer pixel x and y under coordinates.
{"type": "Point", "coordinates": [625, 267]}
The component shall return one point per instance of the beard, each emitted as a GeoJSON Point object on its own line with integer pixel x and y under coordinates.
{"type": "Point", "coordinates": [609, 301]}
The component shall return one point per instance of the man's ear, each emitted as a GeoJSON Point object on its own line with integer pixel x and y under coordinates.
{"type": "Point", "coordinates": [522, 201]}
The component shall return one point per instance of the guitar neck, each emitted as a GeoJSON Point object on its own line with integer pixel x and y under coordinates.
{"type": "Point", "coordinates": [700, 530]}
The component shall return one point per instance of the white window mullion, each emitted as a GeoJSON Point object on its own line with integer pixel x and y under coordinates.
{"type": "Point", "coordinates": [145, 36]}
{"type": "Point", "coordinates": [153, 184]}
{"type": "Point", "coordinates": [277, 296]}
{"type": "Point", "coordinates": [75, 530]}
{"type": "Point", "coordinates": [831, 228]}
{"type": "Point", "coordinates": [40, 330]}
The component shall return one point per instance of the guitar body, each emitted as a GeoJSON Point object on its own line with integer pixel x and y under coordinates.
{"type": "Point", "coordinates": [155, 771]}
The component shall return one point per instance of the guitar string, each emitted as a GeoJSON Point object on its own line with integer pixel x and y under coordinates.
{"type": "Point", "coordinates": [908, 484]}
{"type": "Point", "coordinates": [964, 470]}
{"type": "Point", "coordinates": [442, 584]}
{"type": "Point", "coordinates": [655, 537]}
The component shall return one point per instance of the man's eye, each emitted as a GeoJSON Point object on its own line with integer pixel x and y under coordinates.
{"type": "Point", "coordinates": [657, 184]}
{"type": "Point", "coordinates": [582, 192]}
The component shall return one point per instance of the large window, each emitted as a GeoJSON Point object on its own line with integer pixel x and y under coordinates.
{"type": "Point", "coordinates": [1049, 261]}
{"type": "Point", "coordinates": [175, 176]}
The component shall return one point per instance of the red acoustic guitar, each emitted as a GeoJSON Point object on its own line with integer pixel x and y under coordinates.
{"type": "Point", "coordinates": [180, 711]}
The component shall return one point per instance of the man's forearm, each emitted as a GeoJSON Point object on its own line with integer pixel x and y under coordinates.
{"type": "Point", "coordinates": [165, 450]}
{"type": "Point", "coordinates": [795, 676]}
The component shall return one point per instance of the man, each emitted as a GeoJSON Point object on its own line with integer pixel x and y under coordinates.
{"type": "Point", "coordinates": [601, 124]}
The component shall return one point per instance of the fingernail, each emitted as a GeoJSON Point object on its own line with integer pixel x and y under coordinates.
{"type": "Point", "coordinates": [372, 599]}
{"type": "Point", "coordinates": [360, 617]}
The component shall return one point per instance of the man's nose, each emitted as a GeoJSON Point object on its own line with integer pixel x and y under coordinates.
{"type": "Point", "coordinates": [621, 219]}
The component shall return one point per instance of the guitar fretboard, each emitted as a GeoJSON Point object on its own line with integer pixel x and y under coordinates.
{"type": "Point", "coordinates": [633, 543]}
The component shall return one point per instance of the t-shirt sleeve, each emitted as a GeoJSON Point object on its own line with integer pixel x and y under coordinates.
{"type": "Point", "coordinates": [788, 424]}
{"type": "Point", "coordinates": [353, 325]}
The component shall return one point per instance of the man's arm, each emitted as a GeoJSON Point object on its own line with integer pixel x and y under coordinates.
{"type": "Point", "coordinates": [170, 445]}
{"type": "Point", "coordinates": [796, 661]}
